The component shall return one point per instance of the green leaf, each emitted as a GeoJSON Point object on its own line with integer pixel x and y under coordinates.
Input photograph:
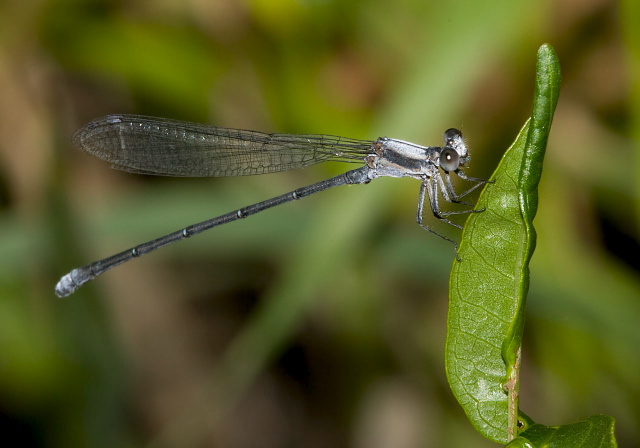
{"type": "Point", "coordinates": [484, 299]}
{"type": "Point", "coordinates": [593, 432]}
{"type": "Point", "coordinates": [488, 287]}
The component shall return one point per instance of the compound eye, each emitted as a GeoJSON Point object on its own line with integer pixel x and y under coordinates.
{"type": "Point", "coordinates": [449, 159]}
{"type": "Point", "coordinates": [452, 134]}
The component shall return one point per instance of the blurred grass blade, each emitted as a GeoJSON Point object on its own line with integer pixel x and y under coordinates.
{"type": "Point", "coordinates": [593, 432]}
{"type": "Point", "coordinates": [488, 287]}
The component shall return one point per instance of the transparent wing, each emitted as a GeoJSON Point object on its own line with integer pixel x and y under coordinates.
{"type": "Point", "coordinates": [178, 148]}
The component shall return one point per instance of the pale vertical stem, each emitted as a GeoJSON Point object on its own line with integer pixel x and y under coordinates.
{"type": "Point", "coordinates": [511, 387]}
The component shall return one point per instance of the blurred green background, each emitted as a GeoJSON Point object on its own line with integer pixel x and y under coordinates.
{"type": "Point", "coordinates": [319, 323]}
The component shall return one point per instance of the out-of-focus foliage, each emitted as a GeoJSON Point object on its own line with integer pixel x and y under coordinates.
{"type": "Point", "coordinates": [322, 322]}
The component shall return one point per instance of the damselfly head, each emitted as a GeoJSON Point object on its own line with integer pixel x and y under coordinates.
{"type": "Point", "coordinates": [453, 139]}
{"type": "Point", "coordinates": [454, 154]}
